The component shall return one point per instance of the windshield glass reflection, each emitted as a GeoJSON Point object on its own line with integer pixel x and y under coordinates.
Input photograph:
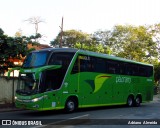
{"type": "Point", "coordinates": [36, 59]}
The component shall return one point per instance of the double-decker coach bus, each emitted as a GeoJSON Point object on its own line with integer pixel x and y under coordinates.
{"type": "Point", "coordinates": [65, 78]}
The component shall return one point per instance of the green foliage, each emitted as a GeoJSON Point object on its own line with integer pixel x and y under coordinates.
{"type": "Point", "coordinates": [154, 30]}
{"type": "Point", "coordinates": [70, 38]}
{"type": "Point", "coordinates": [133, 43]}
{"type": "Point", "coordinates": [13, 47]}
{"type": "Point", "coordinates": [81, 40]}
{"type": "Point", "coordinates": [157, 73]}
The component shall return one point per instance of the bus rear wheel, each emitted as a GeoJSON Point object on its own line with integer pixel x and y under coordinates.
{"type": "Point", "coordinates": [70, 105]}
{"type": "Point", "coordinates": [137, 101]}
{"type": "Point", "coordinates": [130, 101]}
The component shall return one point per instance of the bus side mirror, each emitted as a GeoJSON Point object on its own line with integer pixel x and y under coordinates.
{"type": "Point", "coordinates": [48, 67]}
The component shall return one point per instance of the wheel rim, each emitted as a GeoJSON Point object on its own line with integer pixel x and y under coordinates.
{"type": "Point", "coordinates": [70, 106]}
{"type": "Point", "coordinates": [137, 101]}
{"type": "Point", "coordinates": [130, 101]}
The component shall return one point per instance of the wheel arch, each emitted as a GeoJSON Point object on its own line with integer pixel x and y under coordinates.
{"type": "Point", "coordinates": [75, 98]}
{"type": "Point", "coordinates": [140, 96]}
{"type": "Point", "coordinates": [131, 95]}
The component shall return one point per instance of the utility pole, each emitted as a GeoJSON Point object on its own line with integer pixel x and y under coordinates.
{"type": "Point", "coordinates": [61, 27]}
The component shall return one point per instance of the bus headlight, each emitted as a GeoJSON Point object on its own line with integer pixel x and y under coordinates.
{"type": "Point", "coordinates": [15, 98]}
{"type": "Point", "coordinates": [37, 99]}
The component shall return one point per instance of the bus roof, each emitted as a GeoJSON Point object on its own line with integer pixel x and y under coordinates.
{"type": "Point", "coordinates": [58, 50]}
{"type": "Point", "coordinates": [112, 57]}
{"type": "Point", "coordinates": [85, 52]}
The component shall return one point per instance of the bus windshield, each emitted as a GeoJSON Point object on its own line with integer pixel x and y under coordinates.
{"type": "Point", "coordinates": [36, 59]}
{"type": "Point", "coordinates": [27, 84]}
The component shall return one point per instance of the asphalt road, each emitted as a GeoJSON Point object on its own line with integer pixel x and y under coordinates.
{"type": "Point", "coordinates": [112, 116]}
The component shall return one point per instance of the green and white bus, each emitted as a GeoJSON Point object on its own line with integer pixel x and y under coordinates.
{"type": "Point", "coordinates": [64, 78]}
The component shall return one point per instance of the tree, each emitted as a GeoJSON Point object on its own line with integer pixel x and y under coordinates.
{"type": "Point", "coordinates": [13, 48]}
{"type": "Point", "coordinates": [36, 21]}
{"type": "Point", "coordinates": [71, 38]}
{"type": "Point", "coordinates": [134, 43]}
{"type": "Point", "coordinates": [81, 40]}
{"type": "Point", "coordinates": [18, 33]}
{"type": "Point", "coordinates": [155, 31]}
{"type": "Point", "coordinates": [157, 72]}
{"type": "Point", "coordinates": [102, 38]}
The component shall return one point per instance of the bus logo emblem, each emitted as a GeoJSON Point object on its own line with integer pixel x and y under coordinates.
{"type": "Point", "coordinates": [98, 82]}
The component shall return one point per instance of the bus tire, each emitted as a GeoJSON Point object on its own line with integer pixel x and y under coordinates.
{"type": "Point", "coordinates": [130, 101]}
{"type": "Point", "coordinates": [137, 101]}
{"type": "Point", "coordinates": [70, 105]}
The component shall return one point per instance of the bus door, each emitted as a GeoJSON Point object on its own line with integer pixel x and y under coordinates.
{"type": "Point", "coordinates": [54, 79]}
{"type": "Point", "coordinates": [51, 83]}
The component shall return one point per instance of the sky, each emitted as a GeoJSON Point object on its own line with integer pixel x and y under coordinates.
{"type": "Point", "coordinates": [85, 15]}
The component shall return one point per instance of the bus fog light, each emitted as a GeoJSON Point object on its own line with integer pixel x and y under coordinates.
{"type": "Point", "coordinates": [36, 106]}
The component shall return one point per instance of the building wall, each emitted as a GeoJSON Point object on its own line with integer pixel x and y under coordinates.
{"type": "Point", "coordinates": [7, 90]}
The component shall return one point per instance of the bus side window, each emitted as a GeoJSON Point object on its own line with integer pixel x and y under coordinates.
{"type": "Point", "coordinates": [121, 68]}
{"type": "Point", "coordinates": [131, 69]}
{"type": "Point", "coordinates": [61, 59]}
{"type": "Point", "coordinates": [135, 70]}
{"type": "Point", "coordinates": [99, 65]}
{"type": "Point", "coordinates": [149, 71]}
{"type": "Point", "coordinates": [75, 67]}
{"type": "Point", "coordinates": [82, 64]}
{"type": "Point", "coordinates": [128, 69]}
{"type": "Point", "coordinates": [142, 71]}
{"type": "Point", "coordinates": [112, 67]}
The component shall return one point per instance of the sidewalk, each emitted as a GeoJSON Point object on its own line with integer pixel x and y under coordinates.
{"type": "Point", "coordinates": [11, 107]}
{"type": "Point", "coordinates": [156, 98]}
{"type": "Point", "coordinates": [8, 107]}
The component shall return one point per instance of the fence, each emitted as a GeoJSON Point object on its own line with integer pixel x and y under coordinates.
{"type": "Point", "coordinates": [7, 90]}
